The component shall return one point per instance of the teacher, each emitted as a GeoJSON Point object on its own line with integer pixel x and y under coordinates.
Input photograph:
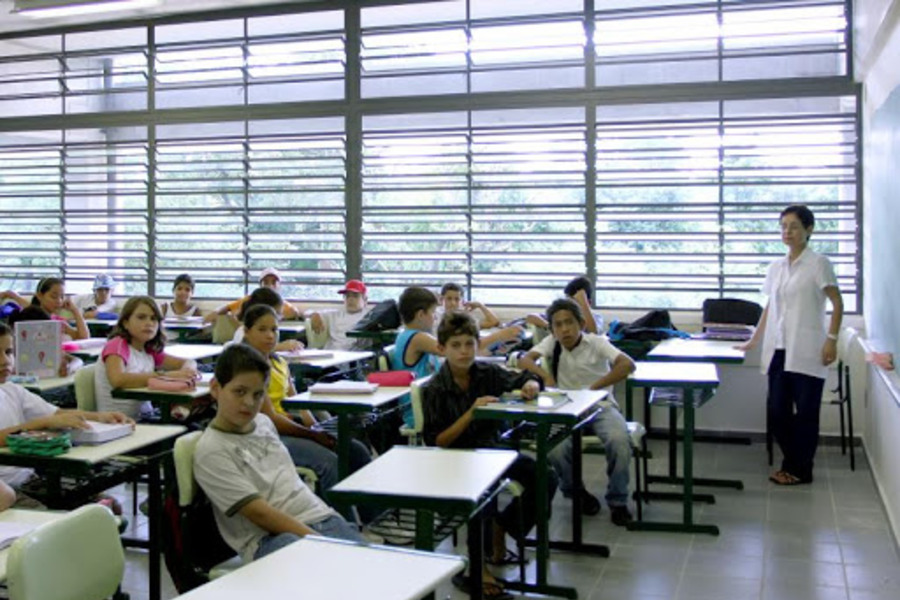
{"type": "Point", "coordinates": [797, 348]}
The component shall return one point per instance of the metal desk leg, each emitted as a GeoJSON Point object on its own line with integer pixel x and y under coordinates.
{"type": "Point", "coordinates": [154, 522]}
{"type": "Point", "coordinates": [343, 445]}
{"type": "Point", "coordinates": [475, 542]}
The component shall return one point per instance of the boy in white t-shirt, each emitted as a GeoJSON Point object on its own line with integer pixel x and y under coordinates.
{"type": "Point", "coordinates": [340, 321]}
{"type": "Point", "coordinates": [572, 359]}
{"type": "Point", "coordinates": [20, 410]}
{"type": "Point", "coordinates": [259, 502]}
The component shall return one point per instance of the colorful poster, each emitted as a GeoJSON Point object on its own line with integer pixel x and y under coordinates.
{"type": "Point", "coordinates": [38, 348]}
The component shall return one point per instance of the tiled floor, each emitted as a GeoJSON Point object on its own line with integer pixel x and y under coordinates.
{"type": "Point", "coordinates": [825, 541]}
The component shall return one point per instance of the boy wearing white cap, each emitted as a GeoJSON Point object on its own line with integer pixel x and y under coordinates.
{"type": "Point", "coordinates": [101, 300]}
{"type": "Point", "coordinates": [341, 320]}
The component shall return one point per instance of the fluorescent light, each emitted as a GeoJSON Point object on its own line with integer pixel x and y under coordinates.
{"type": "Point", "coordinates": [46, 9]}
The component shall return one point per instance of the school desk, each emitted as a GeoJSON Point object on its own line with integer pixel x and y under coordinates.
{"type": "Point", "coordinates": [144, 451]}
{"type": "Point", "coordinates": [184, 330]}
{"type": "Point", "coordinates": [432, 482]}
{"type": "Point", "coordinates": [291, 330]}
{"type": "Point", "coordinates": [344, 407]}
{"type": "Point", "coordinates": [338, 570]}
{"type": "Point", "coordinates": [49, 384]}
{"type": "Point", "coordinates": [552, 427]}
{"type": "Point", "coordinates": [100, 327]}
{"type": "Point", "coordinates": [165, 400]}
{"type": "Point", "coordinates": [195, 352]}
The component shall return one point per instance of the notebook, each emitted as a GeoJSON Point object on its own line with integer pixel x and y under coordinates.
{"type": "Point", "coordinates": [544, 401]}
{"type": "Point", "coordinates": [344, 387]}
{"type": "Point", "coordinates": [100, 433]}
{"type": "Point", "coordinates": [10, 531]}
{"type": "Point", "coordinates": [725, 332]}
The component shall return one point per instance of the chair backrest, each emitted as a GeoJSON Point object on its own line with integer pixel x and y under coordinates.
{"type": "Point", "coordinates": [183, 456]}
{"type": "Point", "coordinates": [415, 396]}
{"type": "Point", "coordinates": [85, 397]}
{"type": "Point", "coordinates": [732, 311]}
{"type": "Point", "coordinates": [223, 330]}
{"type": "Point", "coordinates": [386, 358]}
{"type": "Point", "coordinates": [317, 340]}
{"type": "Point", "coordinates": [77, 557]}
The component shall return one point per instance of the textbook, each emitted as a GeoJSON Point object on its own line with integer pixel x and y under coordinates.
{"type": "Point", "coordinates": [10, 531]}
{"type": "Point", "coordinates": [544, 401]}
{"type": "Point", "coordinates": [100, 432]}
{"type": "Point", "coordinates": [301, 355]}
{"type": "Point", "coordinates": [726, 332]}
{"type": "Point", "coordinates": [344, 387]}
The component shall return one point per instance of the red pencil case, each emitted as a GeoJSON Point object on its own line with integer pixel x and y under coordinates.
{"type": "Point", "coordinates": [391, 378]}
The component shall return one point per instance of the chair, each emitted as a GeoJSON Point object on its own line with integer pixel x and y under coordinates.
{"type": "Point", "coordinates": [637, 434]}
{"type": "Point", "coordinates": [842, 398]}
{"type": "Point", "coordinates": [317, 340]}
{"type": "Point", "coordinates": [78, 557]}
{"type": "Point", "coordinates": [223, 330]}
{"type": "Point", "coordinates": [413, 434]}
{"type": "Point", "coordinates": [386, 358]}
{"type": "Point", "coordinates": [731, 311]}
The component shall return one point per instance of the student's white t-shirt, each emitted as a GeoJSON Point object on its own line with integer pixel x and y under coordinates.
{"type": "Point", "coordinates": [136, 361]}
{"type": "Point", "coordinates": [584, 364]}
{"type": "Point", "coordinates": [86, 302]}
{"type": "Point", "coordinates": [339, 322]}
{"type": "Point", "coordinates": [234, 469]}
{"type": "Point", "coordinates": [17, 406]}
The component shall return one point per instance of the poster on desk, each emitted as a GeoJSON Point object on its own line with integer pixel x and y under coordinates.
{"type": "Point", "coordinates": [38, 348]}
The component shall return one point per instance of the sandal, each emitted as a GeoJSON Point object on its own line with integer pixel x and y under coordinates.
{"type": "Point", "coordinates": [491, 590]}
{"type": "Point", "coordinates": [785, 478]}
{"type": "Point", "coordinates": [509, 558]}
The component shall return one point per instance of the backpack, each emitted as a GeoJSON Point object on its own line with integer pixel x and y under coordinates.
{"type": "Point", "coordinates": [384, 315]}
{"type": "Point", "coordinates": [654, 326]}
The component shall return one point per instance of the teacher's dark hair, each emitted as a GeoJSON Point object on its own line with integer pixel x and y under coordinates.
{"type": "Point", "coordinates": [807, 219]}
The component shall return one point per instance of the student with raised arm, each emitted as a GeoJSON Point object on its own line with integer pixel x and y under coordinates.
{"type": "Point", "coordinates": [449, 400]}
{"type": "Point", "coordinates": [259, 502]}
{"type": "Point", "coordinates": [581, 291]}
{"type": "Point", "coordinates": [20, 410]}
{"type": "Point", "coordinates": [270, 278]}
{"type": "Point", "coordinates": [133, 354]}
{"type": "Point", "coordinates": [797, 346]}
{"type": "Point", "coordinates": [572, 359]}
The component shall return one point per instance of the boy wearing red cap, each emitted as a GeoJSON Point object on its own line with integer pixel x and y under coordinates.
{"type": "Point", "coordinates": [339, 321]}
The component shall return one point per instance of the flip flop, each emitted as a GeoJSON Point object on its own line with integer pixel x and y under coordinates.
{"type": "Point", "coordinates": [489, 589]}
{"type": "Point", "coordinates": [785, 478]}
{"type": "Point", "coordinates": [509, 558]}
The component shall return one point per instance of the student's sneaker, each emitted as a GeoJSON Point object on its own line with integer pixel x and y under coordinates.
{"type": "Point", "coordinates": [372, 537]}
{"type": "Point", "coordinates": [590, 505]}
{"type": "Point", "coordinates": [620, 516]}
{"type": "Point", "coordinates": [395, 536]}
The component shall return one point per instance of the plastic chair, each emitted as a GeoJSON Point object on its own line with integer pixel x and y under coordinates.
{"type": "Point", "coordinates": [637, 434]}
{"type": "Point", "coordinates": [842, 398]}
{"type": "Point", "coordinates": [316, 340]}
{"type": "Point", "coordinates": [223, 330]}
{"type": "Point", "coordinates": [413, 434]}
{"type": "Point", "coordinates": [85, 398]}
{"type": "Point", "coordinates": [731, 311]}
{"type": "Point", "coordinates": [78, 557]}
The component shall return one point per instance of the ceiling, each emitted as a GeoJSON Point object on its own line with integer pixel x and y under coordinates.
{"type": "Point", "coordinates": [11, 22]}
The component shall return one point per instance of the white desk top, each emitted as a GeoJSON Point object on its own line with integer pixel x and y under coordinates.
{"type": "Point", "coordinates": [49, 383]}
{"type": "Point", "coordinates": [441, 473]}
{"type": "Point", "coordinates": [704, 350]}
{"type": "Point", "coordinates": [338, 358]}
{"type": "Point", "coordinates": [202, 389]}
{"type": "Point", "coordinates": [187, 325]}
{"type": "Point", "coordinates": [194, 351]}
{"type": "Point", "coordinates": [375, 572]}
{"type": "Point", "coordinates": [581, 401]}
{"type": "Point", "coordinates": [675, 373]}
{"type": "Point", "coordinates": [31, 517]}
{"type": "Point", "coordinates": [382, 395]}
{"type": "Point", "coordinates": [294, 326]}
{"type": "Point", "coordinates": [144, 435]}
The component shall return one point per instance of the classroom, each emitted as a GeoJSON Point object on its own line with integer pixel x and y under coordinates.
{"type": "Point", "coordinates": [332, 155]}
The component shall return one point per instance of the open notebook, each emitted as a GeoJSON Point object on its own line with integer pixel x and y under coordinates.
{"type": "Point", "coordinates": [100, 432]}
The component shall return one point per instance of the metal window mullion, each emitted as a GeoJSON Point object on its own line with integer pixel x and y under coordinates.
{"type": "Point", "coordinates": [354, 134]}
{"type": "Point", "coordinates": [151, 162]}
{"type": "Point", "coordinates": [470, 134]}
{"type": "Point", "coordinates": [245, 207]}
{"type": "Point", "coordinates": [590, 133]}
{"type": "Point", "coordinates": [62, 218]}
{"type": "Point", "coordinates": [721, 198]}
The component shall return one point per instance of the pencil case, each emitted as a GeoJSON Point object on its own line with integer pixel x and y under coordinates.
{"type": "Point", "coordinates": [39, 443]}
{"type": "Point", "coordinates": [391, 378]}
{"type": "Point", "coordinates": [170, 384]}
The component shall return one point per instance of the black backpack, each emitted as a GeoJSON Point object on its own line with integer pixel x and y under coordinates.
{"type": "Point", "coordinates": [384, 315]}
{"type": "Point", "coordinates": [654, 326]}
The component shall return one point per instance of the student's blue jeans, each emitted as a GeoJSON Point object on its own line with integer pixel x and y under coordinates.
{"type": "Point", "coordinates": [610, 427]}
{"type": "Point", "coordinates": [334, 526]}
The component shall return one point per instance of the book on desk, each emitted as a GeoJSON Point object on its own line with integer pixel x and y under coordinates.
{"type": "Point", "coordinates": [344, 387]}
{"type": "Point", "coordinates": [305, 354]}
{"type": "Point", "coordinates": [725, 332]}
{"type": "Point", "coordinates": [543, 401]}
{"type": "Point", "coordinates": [98, 433]}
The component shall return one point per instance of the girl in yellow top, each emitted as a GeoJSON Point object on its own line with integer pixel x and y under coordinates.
{"type": "Point", "coordinates": [309, 447]}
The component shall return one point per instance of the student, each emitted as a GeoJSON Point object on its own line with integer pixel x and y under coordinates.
{"type": "Point", "coordinates": [181, 305]}
{"type": "Point", "coordinates": [100, 301]}
{"type": "Point", "coordinates": [308, 447]}
{"type": "Point", "coordinates": [416, 349]}
{"type": "Point", "coordinates": [267, 297]}
{"type": "Point", "coordinates": [574, 360]}
{"type": "Point", "coordinates": [20, 410]}
{"type": "Point", "coordinates": [451, 300]}
{"type": "Point", "coordinates": [579, 290]}
{"type": "Point", "coordinates": [448, 403]}
{"type": "Point", "coordinates": [259, 502]}
{"type": "Point", "coordinates": [268, 278]}
{"type": "Point", "coordinates": [50, 295]}
{"type": "Point", "coordinates": [69, 364]}
{"type": "Point", "coordinates": [340, 321]}
{"type": "Point", "coordinates": [132, 356]}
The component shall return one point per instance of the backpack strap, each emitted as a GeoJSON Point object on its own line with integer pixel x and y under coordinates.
{"type": "Point", "coordinates": [554, 363]}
